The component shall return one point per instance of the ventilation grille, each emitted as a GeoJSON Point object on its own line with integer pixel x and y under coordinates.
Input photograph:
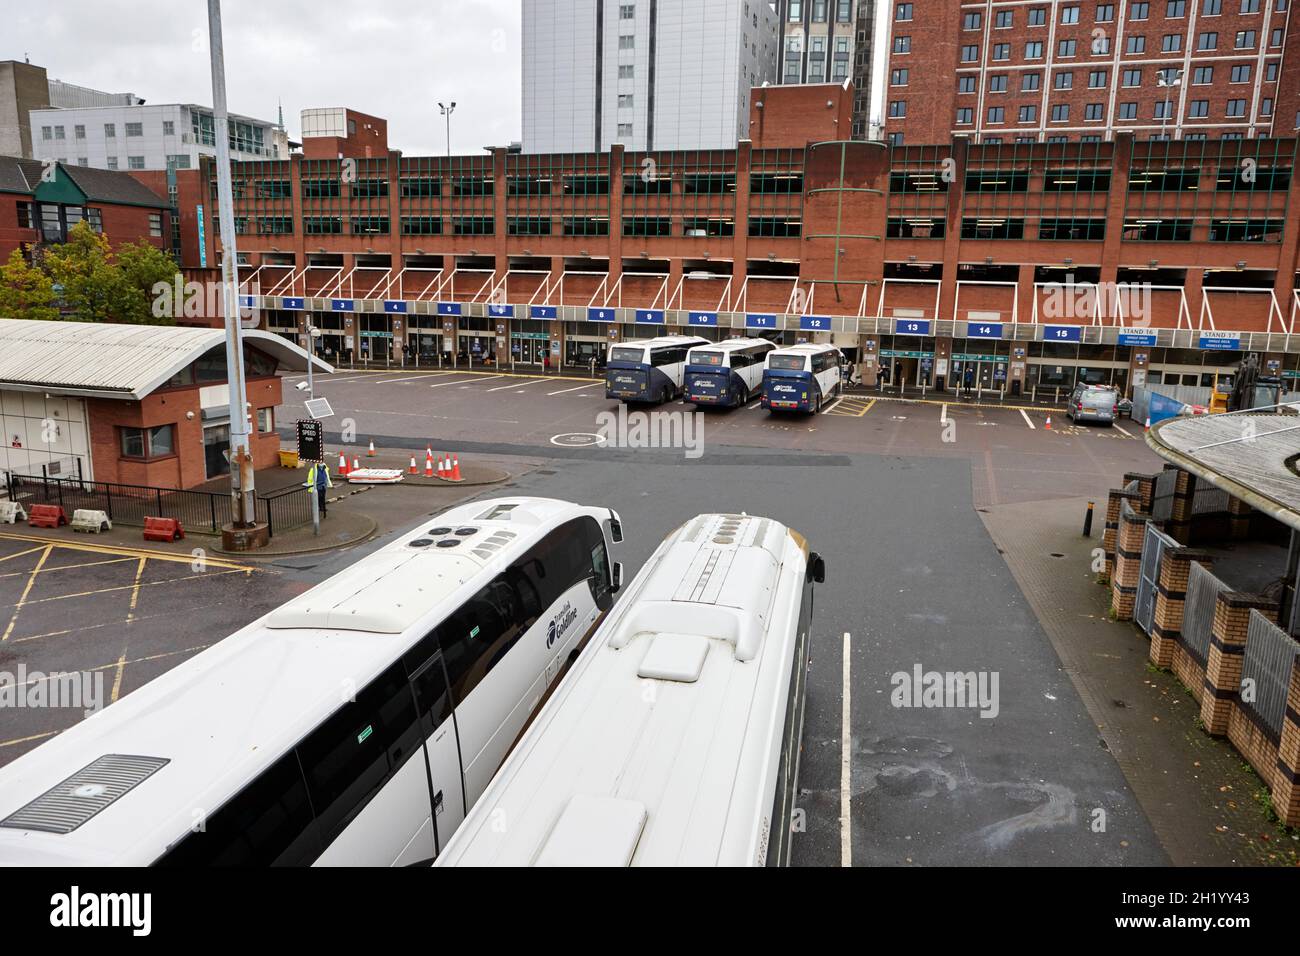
{"type": "Point", "coordinates": [489, 546]}
{"type": "Point", "coordinates": [68, 805]}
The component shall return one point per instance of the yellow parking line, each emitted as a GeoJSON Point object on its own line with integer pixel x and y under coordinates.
{"type": "Point", "coordinates": [63, 567]}
{"type": "Point", "coordinates": [23, 740]}
{"type": "Point", "coordinates": [124, 551]}
{"type": "Point", "coordinates": [125, 587]}
{"type": "Point", "coordinates": [135, 590]}
{"type": "Point", "coordinates": [10, 557]}
{"type": "Point", "coordinates": [31, 579]}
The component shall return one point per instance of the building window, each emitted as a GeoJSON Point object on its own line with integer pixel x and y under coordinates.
{"type": "Point", "coordinates": [969, 21]}
{"type": "Point", "coordinates": [1037, 16]}
{"type": "Point", "coordinates": [155, 225]}
{"type": "Point", "coordinates": [1198, 108]}
{"type": "Point", "coordinates": [1203, 76]}
{"type": "Point", "coordinates": [1063, 80]}
{"type": "Point", "coordinates": [1100, 46]}
{"type": "Point", "coordinates": [1061, 113]}
{"type": "Point", "coordinates": [1092, 111]}
{"type": "Point", "coordinates": [1034, 50]}
{"type": "Point", "coordinates": [1266, 107]}
{"type": "Point", "coordinates": [1171, 43]}
{"type": "Point", "coordinates": [1029, 114]}
{"type": "Point", "coordinates": [898, 77]}
{"type": "Point", "coordinates": [1270, 72]}
{"type": "Point", "coordinates": [1132, 77]}
{"type": "Point", "coordinates": [1004, 20]}
{"type": "Point", "coordinates": [970, 53]}
{"type": "Point", "coordinates": [1066, 48]}
{"type": "Point", "coordinates": [1096, 79]}
{"type": "Point", "coordinates": [1105, 12]}
{"type": "Point", "coordinates": [112, 162]}
{"type": "Point", "coordinates": [79, 132]}
{"type": "Point", "coordinates": [147, 443]}
{"type": "Point", "coordinates": [997, 114]}
{"type": "Point", "coordinates": [135, 162]}
{"type": "Point", "coordinates": [1245, 40]}
{"type": "Point", "coordinates": [60, 133]}
{"type": "Point", "coordinates": [625, 101]}
{"type": "Point", "coordinates": [625, 131]}
{"type": "Point", "coordinates": [1207, 41]}
{"type": "Point", "coordinates": [1029, 81]}
{"type": "Point", "coordinates": [898, 109]}
{"type": "Point", "coordinates": [1236, 108]}
{"type": "Point", "coordinates": [998, 83]}
{"type": "Point", "coordinates": [1002, 51]}
{"type": "Point", "coordinates": [1139, 11]}
{"type": "Point", "coordinates": [1128, 111]}
{"type": "Point", "coordinates": [895, 139]}
{"type": "Point", "coordinates": [1135, 44]}
{"type": "Point", "coordinates": [965, 116]}
{"type": "Point", "coordinates": [169, 127]}
{"type": "Point", "coordinates": [1176, 8]}
{"type": "Point", "coordinates": [627, 42]}
{"type": "Point", "coordinates": [903, 11]}
{"type": "Point", "coordinates": [266, 420]}
{"type": "Point", "coordinates": [1241, 73]}
{"type": "Point", "coordinates": [1069, 14]}
{"type": "Point", "coordinates": [134, 129]}
{"type": "Point", "coordinates": [902, 44]}
{"type": "Point", "coordinates": [627, 11]}
{"type": "Point", "coordinates": [47, 132]}
{"type": "Point", "coordinates": [626, 72]}
{"type": "Point", "coordinates": [1211, 8]}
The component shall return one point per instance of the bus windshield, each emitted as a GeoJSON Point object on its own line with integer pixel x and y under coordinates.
{"type": "Point", "coordinates": [627, 355]}
{"type": "Point", "coordinates": [786, 362]}
{"type": "Point", "coordinates": [705, 358]}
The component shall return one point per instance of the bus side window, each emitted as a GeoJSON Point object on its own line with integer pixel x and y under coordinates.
{"type": "Point", "coordinates": [268, 823]}
{"type": "Point", "coordinates": [353, 754]}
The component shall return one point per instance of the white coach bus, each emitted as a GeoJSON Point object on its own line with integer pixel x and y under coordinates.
{"type": "Point", "coordinates": [355, 725]}
{"type": "Point", "coordinates": [648, 370]}
{"type": "Point", "coordinates": [674, 739]}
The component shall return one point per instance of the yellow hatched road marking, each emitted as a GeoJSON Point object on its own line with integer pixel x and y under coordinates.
{"type": "Point", "coordinates": [850, 407]}
{"type": "Point", "coordinates": [31, 579]}
{"type": "Point", "coordinates": [123, 551]}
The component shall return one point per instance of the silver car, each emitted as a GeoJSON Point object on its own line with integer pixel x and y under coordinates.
{"type": "Point", "coordinates": [1094, 403]}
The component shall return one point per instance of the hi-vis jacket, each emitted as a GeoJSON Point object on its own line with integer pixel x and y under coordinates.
{"type": "Point", "coordinates": [322, 469]}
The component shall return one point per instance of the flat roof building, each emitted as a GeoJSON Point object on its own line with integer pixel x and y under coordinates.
{"type": "Point", "coordinates": [673, 74]}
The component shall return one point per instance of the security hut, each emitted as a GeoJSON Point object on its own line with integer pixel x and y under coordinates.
{"type": "Point", "coordinates": [134, 404]}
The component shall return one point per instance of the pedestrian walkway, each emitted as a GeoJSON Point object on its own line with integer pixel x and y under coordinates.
{"type": "Point", "coordinates": [1195, 790]}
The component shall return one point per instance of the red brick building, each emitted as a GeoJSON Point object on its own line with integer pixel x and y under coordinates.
{"type": "Point", "coordinates": [1070, 70]}
{"type": "Point", "coordinates": [139, 405]}
{"type": "Point", "coordinates": [41, 202]}
{"type": "Point", "coordinates": [1034, 265]}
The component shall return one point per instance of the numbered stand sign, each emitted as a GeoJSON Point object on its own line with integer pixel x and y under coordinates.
{"type": "Point", "coordinates": [983, 330]}
{"type": "Point", "coordinates": [311, 441]}
{"type": "Point", "coordinates": [911, 326]}
{"type": "Point", "coordinates": [1062, 333]}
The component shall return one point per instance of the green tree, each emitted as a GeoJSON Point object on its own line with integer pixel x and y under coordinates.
{"type": "Point", "coordinates": [96, 285]}
{"type": "Point", "coordinates": [25, 291]}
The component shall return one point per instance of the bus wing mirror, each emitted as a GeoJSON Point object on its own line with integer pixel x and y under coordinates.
{"type": "Point", "coordinates": [616, 577]}
{"type": "Point", "coordinates": [817, 568]}
{"type": "Point", "coordinates": [615, 528]}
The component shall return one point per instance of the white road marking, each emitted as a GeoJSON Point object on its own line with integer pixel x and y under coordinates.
{"type": "Point", "coordinates": [943, 414]}
{"type": "Point", "coordinates": [476, 378]}
{"type": "Point", "coordinates": [826, 411]}
{"type": "Point", "coordinates": [568, 390]}
{"type": "Point", "coordinates": [846, 766]}
{"type": "Point", "coordinates": [1027, 419]}
{"type": "Point", "coordinates": [1124, 430]}
{"type": "Point", "coordinates": [502, 388]}
{"type": "Point", "coordinates": [405, 378]}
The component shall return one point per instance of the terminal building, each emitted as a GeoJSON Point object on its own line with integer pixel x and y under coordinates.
{"type": "Point", "coordinates": [1033, 265]}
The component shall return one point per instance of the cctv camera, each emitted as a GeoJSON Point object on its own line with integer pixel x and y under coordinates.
{"type": "Point", "coordinates": [301, 386]}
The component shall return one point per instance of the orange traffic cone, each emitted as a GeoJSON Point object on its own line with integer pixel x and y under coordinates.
{"type": "Point", "coordinates": [370, 453]}
{"type": "Point", "coordinates": [442, 468]}
{"type": "Point", "coordinates": [356, 463]}
{"type": "Point", "coordinates": [428, 465]}
{"type": "Point", "coordinates": [1147, 427]}
{"type": "Point", "coordinates": [343, 464]}
{"type": "Point", "coordinates": [1048, 426]}
{"type": "Point", "coordinates": [414, 470]}
{"type": "Point", "coordinates": [455, 468]}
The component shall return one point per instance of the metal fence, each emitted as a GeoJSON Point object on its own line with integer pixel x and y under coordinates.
{"type": "Point", "coordinates": [1203, 590]}
{"type": "Point", "coordinates": [131, 504]}
{"type": "Point", "coordinates": [1153, 549]}
{"type": "Point", "coordinates": [1270, 655]}
{"type": "Point", "coordinates": [1162, 498]}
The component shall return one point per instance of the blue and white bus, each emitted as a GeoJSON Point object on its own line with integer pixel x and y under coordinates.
{"type": "Point", "coordinates": [801, 378]}
{"type": "Point", "coordinates": [651, 370]}
{"type": "Point", "coordinates": [727, 374]}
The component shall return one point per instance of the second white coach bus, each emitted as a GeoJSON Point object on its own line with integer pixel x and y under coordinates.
{"type": "Point", "coordinates": [649, 370]}
{"type": "Point", "coordinates": [727, 373]}
{"type": "Point", "coordinates": [355, 725]}
{"type": "Point", "coordinates": [801, 378]}
{"type": "Point", "coordinates": [675, 738]}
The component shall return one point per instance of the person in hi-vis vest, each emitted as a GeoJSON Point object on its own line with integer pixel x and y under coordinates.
{"type": "Point", "coordinates": [318, 480]}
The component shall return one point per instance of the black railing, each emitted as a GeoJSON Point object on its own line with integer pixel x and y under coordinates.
{"type": "Point", "coordinates": [131, 504]}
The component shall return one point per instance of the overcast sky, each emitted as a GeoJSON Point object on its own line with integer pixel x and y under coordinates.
{"type": "Point", "coordinates": [390, 58]}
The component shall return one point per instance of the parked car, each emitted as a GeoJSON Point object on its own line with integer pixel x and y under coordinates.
{"type": "Point", "coordinates": [1094, 403]}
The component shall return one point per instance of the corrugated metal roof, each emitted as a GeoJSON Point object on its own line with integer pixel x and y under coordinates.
{"type": "Point", "coordinates": [115, 361]}
{"type": "Point", "coordinates": [1250, 455]}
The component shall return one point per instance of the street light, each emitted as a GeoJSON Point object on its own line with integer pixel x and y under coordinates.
{"type": "Point", "coordinates": [1165, 81]}
{"type": "Point", "coordinates": [447, 109]}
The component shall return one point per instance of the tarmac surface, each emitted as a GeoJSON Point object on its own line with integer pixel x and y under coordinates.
{"type": "Point", "coordinates": [889, 492]}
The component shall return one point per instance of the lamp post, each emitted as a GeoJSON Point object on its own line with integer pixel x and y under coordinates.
{"type": "Point", "coordinates": [447, 109]}
{"type": "Point", "coordinates": [243, 533]}
{"type": "Point", "coordinates": [1167, 80]}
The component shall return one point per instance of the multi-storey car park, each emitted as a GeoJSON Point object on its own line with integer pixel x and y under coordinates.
{"type": "Point", "coordinates": [927, 259]}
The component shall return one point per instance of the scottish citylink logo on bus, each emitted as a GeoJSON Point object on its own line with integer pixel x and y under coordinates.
{"type": "Point", "coordinates": [1129, 302]}
{"type": "Point", "coordinates": [560, 624]}
{"type": "Point", "coordinates": [202, 300]}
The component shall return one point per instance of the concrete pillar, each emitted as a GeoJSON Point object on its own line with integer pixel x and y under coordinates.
{"type": "Point", "coordinates": [1223, 663]}
{"type": "Point", "coordinates": [1171, 597]}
